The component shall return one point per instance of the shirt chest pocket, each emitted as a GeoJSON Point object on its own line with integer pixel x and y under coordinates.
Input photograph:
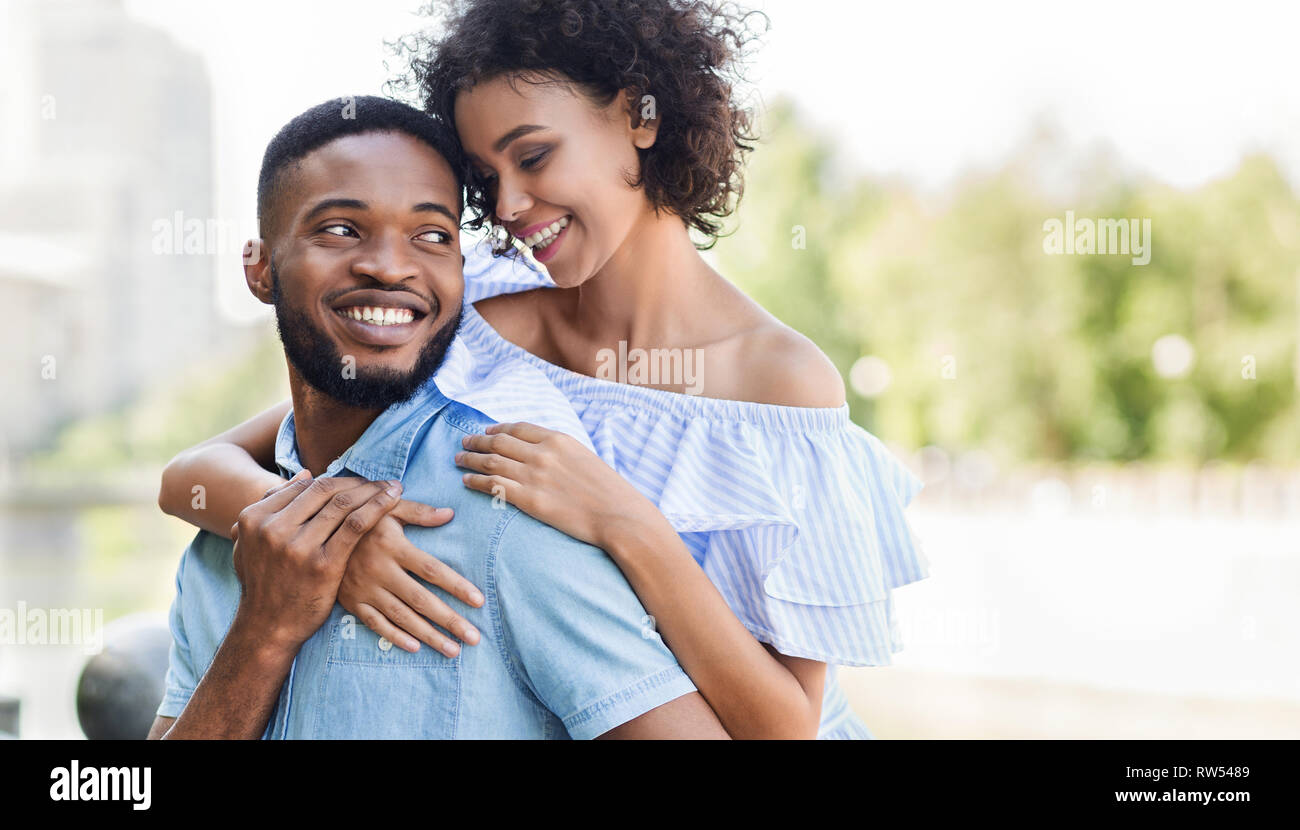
{"type": "Point", "coordinates": [370, 688]}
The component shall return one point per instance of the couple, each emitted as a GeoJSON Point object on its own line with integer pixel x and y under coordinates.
{"type": "Point", "coordinates": [651, 563]}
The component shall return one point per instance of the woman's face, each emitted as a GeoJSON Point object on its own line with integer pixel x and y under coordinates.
{"type": "Point", "coordinates": [558, 168]}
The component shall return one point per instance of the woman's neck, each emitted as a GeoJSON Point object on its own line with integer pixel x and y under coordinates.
{"type": "Point", "coordinates": [640, 294]}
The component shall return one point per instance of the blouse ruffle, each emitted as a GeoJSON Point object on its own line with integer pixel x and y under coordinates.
{"type": "Point", "coordinates": [795, 514]}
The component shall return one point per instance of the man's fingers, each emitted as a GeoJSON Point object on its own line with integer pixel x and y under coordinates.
{"type": "Point", "coordinates": [417, 513]}
{"type": "Point", "coordinates": [298, 476]}
{"type": "Point", "coordinates": [349, 515]}
{"type": "Point", "coordinates": [277, 498]}
{"type": "Point", "coordinates": [329, 490]}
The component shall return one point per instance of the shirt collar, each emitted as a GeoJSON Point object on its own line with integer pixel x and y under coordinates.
{"type": "Point", "coordinates": [383, 450]}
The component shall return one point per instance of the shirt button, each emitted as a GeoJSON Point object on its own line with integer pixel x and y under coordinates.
{"type": "Point", "coordinates": [384, 644]}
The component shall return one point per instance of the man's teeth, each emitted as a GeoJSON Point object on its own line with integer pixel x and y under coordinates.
{"type": "Point", "coordinates": [380, 316]}
{"type": "Point", "coordinates": [546, 235]}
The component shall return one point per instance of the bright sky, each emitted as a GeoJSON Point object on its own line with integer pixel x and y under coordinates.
{"type": "Point", "coordinates": [916, 90]}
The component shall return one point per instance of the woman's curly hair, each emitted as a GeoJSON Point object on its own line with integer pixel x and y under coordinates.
{"type": "Point", "coordinates": [687, 54]}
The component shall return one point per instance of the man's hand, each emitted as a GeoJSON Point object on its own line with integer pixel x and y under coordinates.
{"type": "Point", "coordinates": [292, 547]}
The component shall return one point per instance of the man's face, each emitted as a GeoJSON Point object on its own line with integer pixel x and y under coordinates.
{"type": "Point", "coordinates": [366, 275]}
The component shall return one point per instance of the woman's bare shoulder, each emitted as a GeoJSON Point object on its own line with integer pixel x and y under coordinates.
{"type": "Point", "coordinates": [778, 365]}
{"type": "Point", "coordinates": [519, 317]}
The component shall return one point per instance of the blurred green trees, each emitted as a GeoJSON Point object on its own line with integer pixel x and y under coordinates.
{"type": "Point", "coordinates": [990, 342]}
{"type": "Point", "coordinates": [993, 343]}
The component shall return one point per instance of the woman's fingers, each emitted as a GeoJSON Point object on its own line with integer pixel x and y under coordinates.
{"type": "Point", "coordinates": [378, 623]}
{"type": "Point", "coordinates": [502, 444]}
{"type": "Point", "coordinates": [522, 430]}
{"type": "Point", "coordinates": [436, 572]}
{"type": "Point", "coordinates": [424, 515]}
{"type": "Point", "coordinates": [491, 464]}
{"type": "Point", "coordinates": [426, 604]}
{"type": "Point", "coordinates": [397, 612]}
{"type": "Point", "coordinates": [495, 486]}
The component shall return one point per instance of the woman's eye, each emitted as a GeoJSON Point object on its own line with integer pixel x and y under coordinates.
{"type": "Point", "coordinates": [435, 236]}
{"type": "Point", "coordinates": [339, 230]}
{"type": "Point", "coordinates": [532, 161]}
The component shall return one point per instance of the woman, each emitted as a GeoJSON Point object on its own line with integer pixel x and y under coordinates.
{"type": "Point", "coordinates": [762, 530]}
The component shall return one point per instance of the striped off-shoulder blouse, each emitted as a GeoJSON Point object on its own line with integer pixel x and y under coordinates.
{"type": "Point", "coordinates": [795, 514]}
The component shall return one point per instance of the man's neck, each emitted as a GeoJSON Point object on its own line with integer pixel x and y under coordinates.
{"type": "Point", "coordinates": [324, 427]}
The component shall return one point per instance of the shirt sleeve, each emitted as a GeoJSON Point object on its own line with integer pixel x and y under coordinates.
{"type": "Point", "coordinates": [182, 678]}
{"type": "Point", "coordinates": [575, 633]}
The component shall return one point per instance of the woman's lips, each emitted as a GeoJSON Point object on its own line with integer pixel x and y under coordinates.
{"type": "Point", "coordinates": [544, 254]}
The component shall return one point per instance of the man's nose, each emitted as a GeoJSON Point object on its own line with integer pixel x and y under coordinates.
{"type": "Point", "coordinates": [386, 258]}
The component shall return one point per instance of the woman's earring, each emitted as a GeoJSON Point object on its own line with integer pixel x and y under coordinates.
{"type": "Point", "coordinates": [500, 239]}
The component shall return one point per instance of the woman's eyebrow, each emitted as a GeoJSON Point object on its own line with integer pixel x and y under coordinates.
{"type": "Point", "coordinates": [518, 132]}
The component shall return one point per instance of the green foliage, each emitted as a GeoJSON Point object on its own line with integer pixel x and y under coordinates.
{"type": "Point", "coordinates": [211, 398]}
{"type": "Point", "coordinates": [1050, 356]}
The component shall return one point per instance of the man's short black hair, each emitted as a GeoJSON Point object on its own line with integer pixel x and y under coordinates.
{"type": "Point", "coordinates": [353, 115]}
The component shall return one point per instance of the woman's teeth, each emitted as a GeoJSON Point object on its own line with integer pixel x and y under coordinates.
{"type": "Point", "coordinates": [546, 235]}
{"type": "Point", "coordinates": [379, 316]}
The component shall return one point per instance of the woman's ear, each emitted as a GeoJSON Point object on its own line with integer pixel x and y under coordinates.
{"type": "Point", "coordinates": [257, 270]}
{"type": "Point", "coordinates": [643, 119]}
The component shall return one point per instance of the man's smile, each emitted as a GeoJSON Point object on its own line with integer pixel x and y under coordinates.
{"type": "Point", "coordinates": [381, 318]}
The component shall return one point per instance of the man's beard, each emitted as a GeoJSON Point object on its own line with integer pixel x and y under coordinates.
{"type": "Point", "coordinates": [319, 363]}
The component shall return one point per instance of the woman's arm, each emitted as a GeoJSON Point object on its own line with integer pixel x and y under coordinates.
{"type": "Point", "coordinates": [378, 587]}
{"type": "Point", "coordinates": [210, 483]}
{"type": "Point", "coordinates": [755, 691]}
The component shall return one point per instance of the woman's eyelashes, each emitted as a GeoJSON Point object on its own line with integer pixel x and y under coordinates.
{"type": "Point", "coordinates": [532, 162]}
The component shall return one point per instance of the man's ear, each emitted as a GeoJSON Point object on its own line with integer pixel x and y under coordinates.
{"type": "Point", "coordinates": [643, 118]}
{"type": "Point", "coordinates": [257, 269]}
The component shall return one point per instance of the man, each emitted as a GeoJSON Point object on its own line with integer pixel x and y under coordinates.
{"type": "Point", "coordinates": [360, 256]}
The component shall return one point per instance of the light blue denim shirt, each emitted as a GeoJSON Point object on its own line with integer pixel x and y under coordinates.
{"type": "Point", "coordinates": [567, 648]}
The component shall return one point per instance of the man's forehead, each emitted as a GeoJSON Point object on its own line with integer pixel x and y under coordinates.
{"type": "Point", "coordinates": [390, 166]}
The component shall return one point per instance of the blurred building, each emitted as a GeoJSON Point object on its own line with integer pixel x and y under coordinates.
{"type": "Point", "coordinates": [105, 140]}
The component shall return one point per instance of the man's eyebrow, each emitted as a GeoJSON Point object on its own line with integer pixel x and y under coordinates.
{"type": "Point", "coordinates": [435, 207]}
{"type": "Point", "coordinates": [332, 204]}
{"type": "Point", "coordinates": [517, 132]}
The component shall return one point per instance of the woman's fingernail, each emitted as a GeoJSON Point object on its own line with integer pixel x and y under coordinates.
{"type": "Point", "coordinates": [475, 597]}
{"type": "Point", "coordinates": [451, 649]}
{"type": "Point", "coordinates": [464, 442]}
{"type": "Point", "coordinates": [460, 456]}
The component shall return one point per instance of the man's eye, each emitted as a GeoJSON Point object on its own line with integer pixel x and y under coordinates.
{"type": "Point", "coordinates": [339, 230]}
{"type": "Point", "coordinates": [435, 236]}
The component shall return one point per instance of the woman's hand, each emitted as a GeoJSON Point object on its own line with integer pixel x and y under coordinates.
{"type": "Point", "coordinates": [380, 592]}
{"type": "Point", "coordinates": [555, 479]}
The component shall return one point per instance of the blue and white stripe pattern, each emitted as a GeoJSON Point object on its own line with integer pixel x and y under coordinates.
{"type": "Point", "coordinates": [795, 514]}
